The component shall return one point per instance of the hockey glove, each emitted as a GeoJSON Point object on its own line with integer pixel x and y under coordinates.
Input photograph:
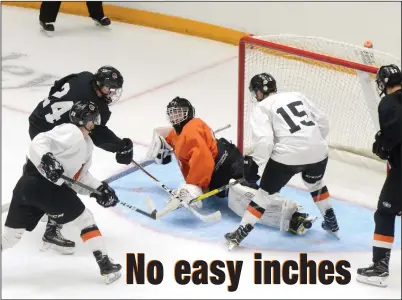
{"type": "Point", "coordinates": [250, 169]}
{"type": "Point", "coordinates": [125, 154]}
{"type": "Point", "coordinates": [50, 167]}
{"type": "Point", "coordinates": [378, 149]}
{"type": "Point", "coordinates": [108, 197]}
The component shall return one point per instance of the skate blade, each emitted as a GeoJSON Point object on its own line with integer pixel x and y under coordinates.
{"type": "Point", "coordinates": [62, 250]}
{"type": "Point", "coordinates": [335, 234]}
{"type": "Point", "coordinates": [47, 33]}
{"type": "Point", "coordinates": [230, 245]}
{"type": "Point", "coordinates": [375, 280]}
{"type": "Point", "coordinates": [106, 27]}
{"type": "Point", "coordinates": [112, 277]}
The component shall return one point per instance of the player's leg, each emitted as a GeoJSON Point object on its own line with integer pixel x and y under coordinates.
{"type": "Point", "coordinates": [67, 207]}
{"type": "Point", "coordinates": [48, 14]}
{"type": "Point", "coordinates": [312, 177]}
{"type": "Point", "coordinates": [275, 176]}
{"type": "Point", "coordinates": [389, 206]}
{"type": "Point", "coordinates": [52, 237]}
{"type": "Point", "coordinates": [95, 9]}
{"type": "Point", "coordinates": [21, 215]}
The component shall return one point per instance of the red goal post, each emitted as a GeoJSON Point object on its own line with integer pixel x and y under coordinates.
{"type": "Point", "coordinates": [338, 77]}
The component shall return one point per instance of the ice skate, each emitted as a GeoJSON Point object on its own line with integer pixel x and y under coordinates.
{"type": "Point", "coordinates": [376, 274]}
{"type": "Point", "coordinates": [330, 224]}
{"type": "Point", "coordinates": [300, 223]}
{"type": "Point", "coordinates": [233, 239]}
{"type": "Point", "coordinates": [109, 270]}
{"type": "Point", "coordinates": [47, 28]}
{"type": "Point", "coordinates": [104, 22]}
{"type": "Point", "coordinates": [53, 239]}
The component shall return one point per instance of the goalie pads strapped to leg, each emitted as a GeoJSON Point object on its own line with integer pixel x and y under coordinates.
{"type": "Point", "coordinates": [160, 151]}
{"type": "Point", "coordinates": [278, 213]}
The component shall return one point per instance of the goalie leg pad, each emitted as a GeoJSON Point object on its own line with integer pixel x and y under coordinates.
{"type": "Point", "coordinates": [278, 210]}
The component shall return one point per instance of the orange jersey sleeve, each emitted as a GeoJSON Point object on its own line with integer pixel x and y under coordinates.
{"type": "Point", "coordinates": [195, 148]}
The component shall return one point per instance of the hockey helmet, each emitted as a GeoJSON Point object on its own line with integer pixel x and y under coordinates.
{"type": "Point", "coordinates": [388, 76]}
{"type": "Point", "coordinates": [111, 79]}
{"type": "Point", "coordinates": [179, 112]}
{"type": "Point", "coordinates": [264, 82]}
{"type": "Point", "coordinates": [83, 112]}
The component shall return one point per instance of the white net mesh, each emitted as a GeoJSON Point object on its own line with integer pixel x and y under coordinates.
{"type": "Point", "coordinates": [349, 100]}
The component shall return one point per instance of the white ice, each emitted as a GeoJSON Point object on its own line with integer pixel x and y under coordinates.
{"type": "Point", "coordinates": [157, 66]}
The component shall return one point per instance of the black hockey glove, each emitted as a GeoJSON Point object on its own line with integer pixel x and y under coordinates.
{"type": "Point", "coordinates": [50, 167]}
{"type": "Point", "coordinates": [125, 154]}
{"type": "Point", "coordinates": [378, 149]}
{"type": "Point", "coordinates": [108, 197]}
{"type": "Point", "coordinates": [250, 170]}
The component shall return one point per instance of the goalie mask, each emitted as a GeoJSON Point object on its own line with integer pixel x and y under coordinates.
{"type": "Point", "coordinates": [109, 82]}
{"type": "Point", "coordinates": [388, 76]}
{"type": "Point", "coordinates": [179, 112]}
{"type": "Point", "coordinates": [265, 83]}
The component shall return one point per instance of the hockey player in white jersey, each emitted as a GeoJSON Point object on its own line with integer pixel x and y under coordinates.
{"type": "Point", "coordinates": [288, 137]}
{"type": "Point", "coordinates": [64, 150]}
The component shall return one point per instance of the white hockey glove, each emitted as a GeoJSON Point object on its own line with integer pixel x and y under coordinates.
{"type": "Point", "coordinates": [160, 150]}
{"type": "Point", "coordinates": [187, 192]}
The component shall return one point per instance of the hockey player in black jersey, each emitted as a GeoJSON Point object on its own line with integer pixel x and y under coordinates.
{"type": "Point", "coordinates": [387, 146]}
{"type": "Point", "coordinates": [103, 88]}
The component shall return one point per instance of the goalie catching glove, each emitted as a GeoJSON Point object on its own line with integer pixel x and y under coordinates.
{"type": "Point", "coordinates": [108, 196]}
{"type": "Point", "coordinates": [160, 150]}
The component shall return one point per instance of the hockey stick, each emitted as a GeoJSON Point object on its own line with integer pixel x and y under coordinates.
{"type": "Point", "coordinates": [151, 215]}
{"type": "Point", "coordinates": [213, 217]}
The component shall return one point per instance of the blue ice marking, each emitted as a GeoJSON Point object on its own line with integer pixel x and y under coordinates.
{"type": "Point", "coordinates": [356, 222]}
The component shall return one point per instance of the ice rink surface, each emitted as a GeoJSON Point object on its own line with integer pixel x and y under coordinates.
{"type": "Point", "coordinates": [157, 66]}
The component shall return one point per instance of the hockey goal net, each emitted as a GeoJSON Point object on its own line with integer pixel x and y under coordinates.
{"type": "Point", "coordinates": [338, 77]}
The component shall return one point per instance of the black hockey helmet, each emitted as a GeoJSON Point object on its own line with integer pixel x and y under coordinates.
{"type": "Point", "coordinates": [388, 76]}
{"type": "Point", "coordinates": [110, 78]}
{"type": "Point", "coordinates": [83, 112]}
{"type": "Point", "coordinates": [179, 112]}
{"type": "Point", "coordinates": [264, 82]}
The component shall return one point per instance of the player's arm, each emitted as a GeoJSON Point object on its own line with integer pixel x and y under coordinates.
{"type": "Point", "coordinates": [85, 177]}
{"type": "Point", "coordinates": [105, 139]}
{"type": "Point", "coordinates": [319, 117]}
{"type": "Point", "coordinates": [41, 154]}
{"type": "Point", "coordinates": [390, 134]}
